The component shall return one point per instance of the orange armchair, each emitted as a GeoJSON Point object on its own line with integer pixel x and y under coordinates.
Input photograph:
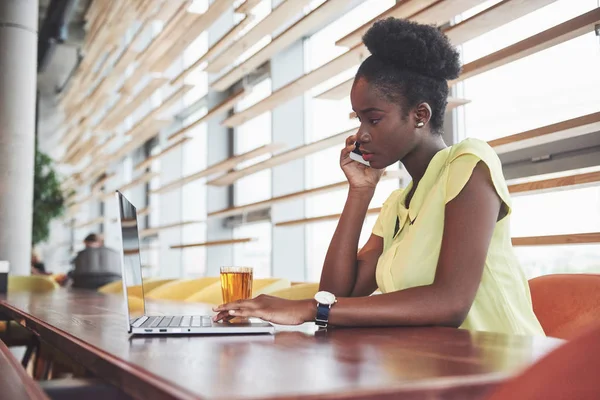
{"type": "Point", "coordinates": [569, 372]}
{"type": "Point", "coordinates": [566, 304]}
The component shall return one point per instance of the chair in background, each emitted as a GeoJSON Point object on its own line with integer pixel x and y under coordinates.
{"type": "Point", "coordinates": [10, 332]}
{"type": "Point", "coordinates": [33, 284]}
{"type": "Point", "coordinates": [180, 289]}
{"type": "Point", "coordinates": [569, 372]}
{"type": "Point", "coordinates": [14, 334]}
{"type": "Point", "coordinates": [302, 291]}
{"type": "Point", "coordinates": [269, 285]}
{"type": "Point", "coordinates": [209, 295]}
{"type": "Point", "coordinates": [149, 285]}
{"type": "Point", "coordinates": [566, 304]}
{"type": "Point", "coordinates": [113, 287]}
{"type": "Point", "coordinates": [135, 304]}
{"type": "Point", "coordinates": [212, 293]}
{"type": "Point", "coordinates": [15, 382]}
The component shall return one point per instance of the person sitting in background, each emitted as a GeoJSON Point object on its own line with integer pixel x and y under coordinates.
{"type": "Point", "coordinates": [37, 266]}
{"type": "Point", "coordinates": [93, 241]}
{"type": "Point", "coordinates": [96, 265]}
{"type": "Point", "coordinates": [440, 251]}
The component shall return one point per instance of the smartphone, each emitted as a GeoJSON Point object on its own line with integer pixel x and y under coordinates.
{"type": "Point", "coordinates": [356, 155]}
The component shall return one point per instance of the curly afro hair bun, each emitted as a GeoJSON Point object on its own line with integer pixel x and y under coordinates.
{"type": "Point", "coordinates": [406, 45]}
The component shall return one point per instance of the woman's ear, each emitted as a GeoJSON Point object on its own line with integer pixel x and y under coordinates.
{"type": "Point", "coordinates": [422, 115]}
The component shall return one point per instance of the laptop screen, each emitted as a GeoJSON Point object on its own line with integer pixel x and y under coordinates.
{"type": "Point", "coordinates": [132, 265]}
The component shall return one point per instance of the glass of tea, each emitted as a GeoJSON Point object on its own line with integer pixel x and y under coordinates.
{"type": "Point", "coordinates": [236, 283]}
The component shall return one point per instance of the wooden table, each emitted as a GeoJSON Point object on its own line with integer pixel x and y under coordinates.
{"type": "Point", "coordinates": [375, 363]}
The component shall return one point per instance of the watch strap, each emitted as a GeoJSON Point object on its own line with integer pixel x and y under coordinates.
{"type": "Point", "coordinates": [322, 318]}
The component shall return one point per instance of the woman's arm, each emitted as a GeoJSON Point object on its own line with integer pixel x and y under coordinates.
{"type": "Point", "coordinates": [469, 223]}
{"type": "Point", "coordinates": [346, 273]}
{"type": "Point", "coordinates": [367, 258]}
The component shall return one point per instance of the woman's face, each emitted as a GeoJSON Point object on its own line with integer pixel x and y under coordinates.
{"type": "Point", "coordinates": [384, 135]}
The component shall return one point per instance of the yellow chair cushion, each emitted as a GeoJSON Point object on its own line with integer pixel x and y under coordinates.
{"type": "Point", "coordinates": [113, 287]}
{"type": "Point", "coordinates": [210, 295]}
{"type": "Point", "coordinates": [149, 285]}
{"type": "Point", "coordinates": [180, 289]}
{"type": "Point", "coordinates": [33, 284]}
{"type": "Point", "coordinates": [135, 304]}
{"type": "Point", "coordinates": [269, 285]}
{"type": "Point", "coordinates": [301, 291]}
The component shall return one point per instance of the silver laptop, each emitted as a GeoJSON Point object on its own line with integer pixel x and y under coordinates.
{"type": "Point", "coordinates": [137, 320]}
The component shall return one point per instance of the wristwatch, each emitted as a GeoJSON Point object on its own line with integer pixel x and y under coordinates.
{"type": "Point", "coordinates": [325, 301]}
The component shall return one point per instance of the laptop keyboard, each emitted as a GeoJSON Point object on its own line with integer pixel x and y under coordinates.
{"type": "Point", "coordinates": [188, 321]}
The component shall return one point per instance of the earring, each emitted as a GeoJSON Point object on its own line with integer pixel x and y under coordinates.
{"type": "Point", "coordinates": [420, 124]}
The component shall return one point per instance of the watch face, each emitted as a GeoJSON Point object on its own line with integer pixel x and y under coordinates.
{"type": "Point", "coordinates": [325, 298]}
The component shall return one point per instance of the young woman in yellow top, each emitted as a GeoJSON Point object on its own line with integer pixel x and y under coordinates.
{"type": "Point", "coordinates": [440, 251]}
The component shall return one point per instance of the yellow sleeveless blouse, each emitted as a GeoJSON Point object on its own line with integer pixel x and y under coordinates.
{"type": "Point", "coordinates": [410, 258]}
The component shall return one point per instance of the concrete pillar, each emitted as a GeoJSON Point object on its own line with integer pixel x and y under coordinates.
{"type": "Point", "coordinates": [18, 63]}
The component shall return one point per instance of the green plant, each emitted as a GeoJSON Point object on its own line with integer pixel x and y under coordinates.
{"type": "Point", "coordinates": [48, 199]}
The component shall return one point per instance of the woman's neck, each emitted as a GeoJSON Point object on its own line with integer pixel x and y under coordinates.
{"type": "Point", "coordinates": [417, 161]}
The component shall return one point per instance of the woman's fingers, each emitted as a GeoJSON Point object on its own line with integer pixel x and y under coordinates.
{"type": "Point", "coordinates": [233, 309]}
{"type": "Point", "coordinates": [246, 312]}
{"type": "Point", "coordinates": [235, 305]}
{"type": "Point", "coordinates": [223, 315]}
{"type": "Point", "coordinates": [350, 143]}
{"type": "Point", "coordinates": [350, 140]}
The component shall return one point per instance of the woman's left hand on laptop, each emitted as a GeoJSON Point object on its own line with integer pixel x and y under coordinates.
{"type": "Point", "coordinates": [270, 309]}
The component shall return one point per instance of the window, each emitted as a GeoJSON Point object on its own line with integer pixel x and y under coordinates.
{"type": "Point", "coordinates": [149, 256]}
{"type": "Point", "coordinates": [256, 187]}
{"type": "Point", "coordinates": [322, 44]}
{"type": "Point", "coordinates": [319, 236]}
{"type": "Point", "coordinates": [547, 87]}
{"type": "Point", "coordinates": [193, 199]}
{"type": "Point", "coordinates": [154, 184]}
{"type": "Point", "coordinates": [554, 213]}
{"type": "Point", "coordinates": [559, 259]}
{"type": "Point", "coordinates": [197, 77]}
{"type": "Point", "coordinates": [249, 136]}
{"type": "Point", "coordinates": [256, 254]}
{"type": "Point", "coordinates": [262, 10]}
{"type": "Point", "coordinates": [192, 207]}
{"type": "Point", "coordinates": [325, 118]}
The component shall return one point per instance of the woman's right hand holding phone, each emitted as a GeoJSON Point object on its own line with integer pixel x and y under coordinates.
{"type": "Point", "coordinates": [359, 176]}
